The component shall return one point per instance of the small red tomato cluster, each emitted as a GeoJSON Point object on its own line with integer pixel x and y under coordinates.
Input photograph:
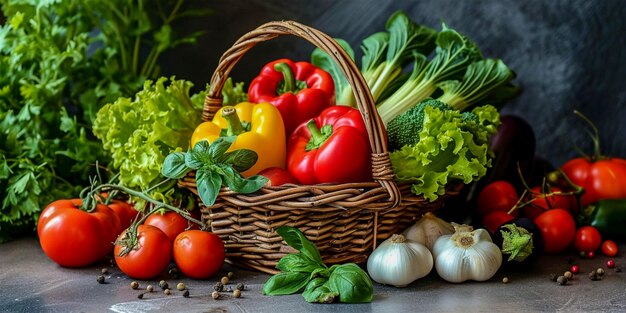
{"type": "Point", "coordinates": [73, 236]}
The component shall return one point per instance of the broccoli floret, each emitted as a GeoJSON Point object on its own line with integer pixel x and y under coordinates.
{"type": "Point", "coordinates": [404, 129]}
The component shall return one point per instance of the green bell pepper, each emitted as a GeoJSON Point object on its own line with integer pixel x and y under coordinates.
{"type": "Point", "coordinates": [608, 216]}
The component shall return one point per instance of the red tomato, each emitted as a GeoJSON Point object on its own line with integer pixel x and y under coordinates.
{"type": "Point", "coordinates": [72, 237]}
{"type": "Point", "coordinates": [588, 239]}
{"type": "Point", "coordinates": [603, 179]}
{"type": "Point", "coordinates": [497, 196]}
{"type": "Point", "coordinates": [609, 248]}
{"type": "Point", "coordinates": [171, 223]}
{"type": "Point", "coordinates": [278, 176]}
{"type": "Point", "coordinates": [496, 219]}
{"type": "Point", "coordinates": [150, 257]}
{"type": "Point", "coordinates": [542, 202]}
{"type": "Point", "coordinates": [198, 254]}
{"type": "Point", "coordinates": [125, 211]}
{"type": "Point", "coordinates": [558, 229]}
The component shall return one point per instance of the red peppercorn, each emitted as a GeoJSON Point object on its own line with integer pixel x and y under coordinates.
{"type": "Point", "coordinates": [610, 264]}
{"type": "Point", "coordinates": [574, 269]}
{"type": "Point", "coordinates": [590, 254]}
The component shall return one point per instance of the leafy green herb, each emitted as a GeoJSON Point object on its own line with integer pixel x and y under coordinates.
{"type": "Point", "coordinates": [214, 169]}
{"type": "Point", "coordinates": [60, 62]}
{"type": "Point", "coordinates": [306, 271]}
{"type": "Point", "coordinates": [322, 60]}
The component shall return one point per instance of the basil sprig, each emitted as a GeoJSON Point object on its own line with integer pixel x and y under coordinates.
{"type": "Point", "coordinates": [215, 167]}
{"type": "Point", "coordinates": [306, 272]}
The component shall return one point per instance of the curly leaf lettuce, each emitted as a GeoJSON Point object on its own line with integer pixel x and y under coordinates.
{"type": "Point", "coordinates": [451, 147]}
{"type": "Point", "coordinates": [140, 132]}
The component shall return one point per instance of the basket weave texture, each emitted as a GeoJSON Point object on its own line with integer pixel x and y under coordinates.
{"type": "Point", "coordinates": [345, 221]}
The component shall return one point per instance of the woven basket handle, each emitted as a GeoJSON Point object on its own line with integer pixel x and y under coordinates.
{"type": "Point", "coordinates": [381, 164]}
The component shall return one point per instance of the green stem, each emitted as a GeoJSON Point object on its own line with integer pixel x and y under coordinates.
{"type": "Point", "coordinates": [232, 119]}
{"type": "Point", "coordinates": [318, 137]}
{"type": "Point", "coordinates": [595, 137]}
{"type": "Point", "coordinates": [288, 77]}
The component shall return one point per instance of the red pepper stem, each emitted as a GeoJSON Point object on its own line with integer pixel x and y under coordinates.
{"type": "Point", "coordinates": [318, 137]}
{"type": "Point", "coordinates": [288, 76]}
{"type": "Point", "coordinates": [232, 119]}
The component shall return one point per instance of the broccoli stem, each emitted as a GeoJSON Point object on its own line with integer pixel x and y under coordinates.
{"type": "Point", "coordinates": [407, 96]}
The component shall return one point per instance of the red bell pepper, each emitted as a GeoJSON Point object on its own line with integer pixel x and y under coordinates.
{"type": "Point", "coordinates": [299, 90]}
{"type": "Point", "coordinates": [331, 148]}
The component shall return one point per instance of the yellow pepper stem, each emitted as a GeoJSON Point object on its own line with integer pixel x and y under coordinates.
{"type": "Point", "coordinates": [234, 123]}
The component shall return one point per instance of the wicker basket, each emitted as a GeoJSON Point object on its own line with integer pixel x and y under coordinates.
{"type": "Point", "coordinates": [345, 221]}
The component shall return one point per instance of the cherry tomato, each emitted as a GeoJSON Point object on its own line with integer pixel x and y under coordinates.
{"type": "Point", "coordinates": [588, 239]}
{"type": "Point", "coordinates": [278, 176]}
{"type": "Point", "coordinates": [499, 195]}
{"type": "Point", "coordinates": [170, 222]}
{"type": "Point", "coordinates": [558, 229]}
{"type": "Point", "coordinates": [542, 201]}
{"type": "Point", "coordinates": [149, 258]}
{"type": "Point", "coordinates": [609, 248]}
{"type": "Point", "coordinates": [72, 237]}
{"type": "Point", "coordinates": [602, 179]}
{"type": "Point", "coordinates": [496, 219]}
{"type": "Point", "coordinates": [198, 254]}
{"type": "Point", "coordinates": [125, 211]}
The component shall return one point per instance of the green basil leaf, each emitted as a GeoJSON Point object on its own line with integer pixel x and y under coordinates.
{"type": "Point", "coordinates": [297, 263]}
{"type": "Point", "coordinates": [174, 166]}
{"type": "Point", "coordinates": [220, 146]}
{"type": "Point", "coordinates": [321, 272]}
{"type": "Point", "coordinates": [352, 284]}
{"type": "Point", "coordinates": [296, 239]}
{"type": "Point", "coordinates": [209, 184]}
{"type": "Point", "coordinates": [248, 185]}
{"type": "Point", "coordinates": [198, 156]}
{"type": "Point", "coordinates": [285, 283]}
{"type": "Point", "coordinates": [318, 290]}
{"type": "Point", "coordinates": [241, 159]}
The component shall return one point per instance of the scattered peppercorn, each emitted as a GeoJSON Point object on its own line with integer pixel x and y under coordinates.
{"type": "Point", "coordinates": [134, 285]}
{"type": "Point", "coordinates": [583, 254]}
{"type": "Point", "coordinates": [561, 280]}
{"type": "Point", "coordinates": [230, 274]}
{"type": "Point", "coordinates": [610, 264]}
{"type": "Point", "coordinates": [568, 275]}
{"type": "Point", "coordinates": [218, 286]}
{"type": "Point", "coordinates": [163, 284]}
{"type": "Point", "coordinates": [140, 296]}
{"type": "Point", "coordinates": [215, 295]}
{"type": "Point", "coordinates": [167, 291]}
{"type": "Point", "coordinates": [186, 294]}
{"type": "Point", "coordinates": [575, 269]}
{"type": "Point", "coordinates": [618, 269]}
{"type": "Point", "coordinates": [553, 276]}
{"type": "Point", "coordinates": [181, 286]}
{"type": "Point", "coordinates": [224, 280]}
{"type": "Point", "coordinates": [593, 275]}
{"type": "Point", "coordinates": [236, 293]}
{"type": "Point", "coordinates": [600, 272]}
{"type": "Point", "coordinates": [173, 273]}
{"type": "Point", "coordinates": [100, 279]}
{"type": "Point", "coordinates": [104, 270]}
{"type": "Point", "coordinates": [505, 280]}
{"type": "Point", "coordinates": [240, 286]}
{"type": "Point", "coordinates": [149, 288]}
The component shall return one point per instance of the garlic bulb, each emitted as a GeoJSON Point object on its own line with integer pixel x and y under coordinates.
{"type": "Point", "coordinates": [428, 229]}
{"type": "Point", "coordinates": [399, 262]}
{"type": "Point", "coordinates": [466, 255]}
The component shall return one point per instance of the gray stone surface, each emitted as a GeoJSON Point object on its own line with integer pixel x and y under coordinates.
{"type": "Point", "coordinates": [29, 282]}
{"type": "Point", "coordinates": [568, 54]}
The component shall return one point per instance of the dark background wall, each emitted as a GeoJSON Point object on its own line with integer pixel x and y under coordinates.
{"type": "Point", "coordinates": [567, 54]}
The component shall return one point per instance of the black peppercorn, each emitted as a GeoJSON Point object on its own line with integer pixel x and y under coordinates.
{"type": "Point", "coordinates": [553, 276]}
{"type": "Point", "coordinates": [100, 279]}
{"type": "Point", "coordinates": [186, 294]}
{"type": "Point", "coordinates": [140, 296]}
{"type": "Point", "coordinates": [218, 286]}
{"type": "Point", "coordinates": [561, 280]}
{"type": "Point", "coordinates": [163, 285]}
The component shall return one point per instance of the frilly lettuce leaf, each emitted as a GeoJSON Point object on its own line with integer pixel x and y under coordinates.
{"type": "Point", "coordinates": [451, 147]}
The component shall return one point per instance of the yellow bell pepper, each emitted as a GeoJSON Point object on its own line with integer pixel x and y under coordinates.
{"type": "Point", "coordinates": [258, 127]}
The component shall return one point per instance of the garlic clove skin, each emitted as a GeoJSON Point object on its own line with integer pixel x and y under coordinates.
{"type": "Point", "coordinates": [399, 262]}
{"type": "Point", "coordinates": [427, 229]}
{"type": "Point", "coordinates": [466, 255]}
